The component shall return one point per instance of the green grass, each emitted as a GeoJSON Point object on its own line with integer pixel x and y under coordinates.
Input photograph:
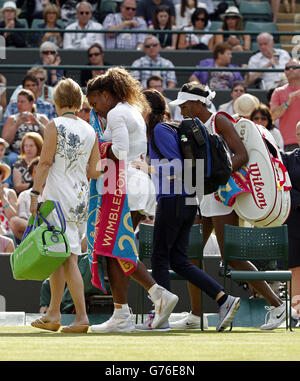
{"type": "Point", "coordinates": [241, 344]}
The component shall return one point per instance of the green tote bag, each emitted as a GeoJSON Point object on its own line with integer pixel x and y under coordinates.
{"type": "Point", "coordinates": [44, 247]}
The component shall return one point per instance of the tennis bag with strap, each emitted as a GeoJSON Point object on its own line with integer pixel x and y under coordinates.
{"type": "Point", "coordinates": [44, 247]}
{"type": "Point", "coordinates": [196, 142]}
{"type": "Point", "coordinates": [269, 203]}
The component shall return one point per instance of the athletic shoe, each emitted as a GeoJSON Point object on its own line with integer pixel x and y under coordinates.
{"type": "Point", "coordinates": [163, 307]}
{"type": "Point", "coordinates": [227, 311]}
{"type": "Point", "coordinates": [147, 326]}
{"type": "Point", "coordinates": [117, 323]}
{"type": "Point", "coordinates": [274, 317]}
{"type": "Point", "coordinates": [189, 321]}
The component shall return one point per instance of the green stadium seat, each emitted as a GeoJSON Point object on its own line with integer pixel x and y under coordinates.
{"type": "Point", "coordinates": [216, 25]}
{"type": "Point", "coordinates": [256, 11]}
{"type": "Point", "coordinates": [259, 27]}
{"type": "Point", "coordinates": [258, 244]}
{"type": "Point", "coordinates": [24, 22]}
{"type": "Point", "coordinates": [106, 7]}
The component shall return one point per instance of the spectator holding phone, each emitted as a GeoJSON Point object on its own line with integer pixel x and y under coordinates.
{"type": "Point", "coordinates": [49, 56]}
{"type": "Point", "coordinates": [267, 58]}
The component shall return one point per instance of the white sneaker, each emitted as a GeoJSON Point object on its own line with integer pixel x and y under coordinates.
{"type": "Point", "coordinates": [190, 321]}
{"type": "Point", "coordinates": [163, 307]}
{"type": "Point", "coordinates": [117, 323]}
{"type": "Point", "coordinates": [147, 326]}
{"type": "Point", "coordinates": [274, 317]}
{"type": "Point", "coordinates": [227, 311]}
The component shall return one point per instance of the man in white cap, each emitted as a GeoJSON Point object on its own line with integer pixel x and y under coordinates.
{"type": "Point", "coordinates": [9, 13]}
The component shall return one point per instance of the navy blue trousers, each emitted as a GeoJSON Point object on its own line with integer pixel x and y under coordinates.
{"type": "Point", "coordinates": [173, 222]}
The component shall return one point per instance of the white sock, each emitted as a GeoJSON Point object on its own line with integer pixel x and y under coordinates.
{"type": "Point", "coordinates": [155, 292]}
{"type": "Point", "coordinates": [124, 310]}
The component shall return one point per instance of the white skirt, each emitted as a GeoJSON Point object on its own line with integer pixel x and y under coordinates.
{"type": "Point", "coordinates": [141, 192]}
{"type": "Point", "coordinates": [210, 207]}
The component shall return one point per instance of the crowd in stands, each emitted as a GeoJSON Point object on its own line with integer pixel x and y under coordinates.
{"type": "Point", "coordinates": [24, 115]}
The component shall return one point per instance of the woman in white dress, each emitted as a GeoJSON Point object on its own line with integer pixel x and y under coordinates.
{"type": "Point", "coordinates": [118, 97]}
{"type": "Point", "coordinates": [69, 157]}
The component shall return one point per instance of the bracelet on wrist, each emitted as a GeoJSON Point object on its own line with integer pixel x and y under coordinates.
{"type": "Point", "coordinates": [34, 192]}
{"type": "Point", "coordinates": [285, 105]}
{"type": "Point", "coordinates": [6, 206]}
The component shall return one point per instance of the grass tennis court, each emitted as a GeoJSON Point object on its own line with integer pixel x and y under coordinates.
{"type": "Point", "coordinates": [242, 344]}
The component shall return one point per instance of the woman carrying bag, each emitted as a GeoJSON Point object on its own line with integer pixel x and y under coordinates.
{"type": "Point", "coordinates": [69, 157]}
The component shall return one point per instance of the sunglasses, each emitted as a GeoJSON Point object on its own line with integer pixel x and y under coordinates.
{"type": "Point", "coordinates": [151, 45]}
{"type": "Point", "coordinates": [85, 109]}
{"type": "Point", "coordinates": [200, 19]}
{"type": "Point", "coordinates": [84, 13]}
{"type": "Point", "coordinates": [47, 52]}
{"type": "Point", "coordinates": [94, 54]}
{"type": "Point", "coordinates": [294, 67]}
{"type": "Point", "coordinates": [130, 9]}
{"type": "Point", "coordinates": [263, 118]}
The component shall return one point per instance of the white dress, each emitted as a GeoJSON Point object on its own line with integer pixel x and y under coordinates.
{"type": "Point", "coordinates": [126, 129]}
{"type": "Point", "coordinates": [209, 206]}
{"type": "Point", "coordinates": [67, 181]}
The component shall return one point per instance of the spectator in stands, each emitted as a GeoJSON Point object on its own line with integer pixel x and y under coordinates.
{"type": "Point", "coordinates": [233, 21]}
{"type": "Point", "coordinates": [8, 201]}
{"type": "Point", "coordinates": [84, 112]}
{"type": "Point", "coordinates": [9, 13]}
{"type": "Point", "coordinates": [200, 21]}
{"type": "Point", "coordinates": [50, 14]}
{"type": "Point", "coordinates": [146, 9]}
{"type": "Point", "coordinates": [153, 58]}
{"type": "Point", "coordinates": [2, 95]}
{"type": "Point", "coordinates": [7, 245]}
{"type": "Point", "coordinates": [237, 89]}
{"type": "Point", "coordinates": [267, 57]}
{"type": "Point", "coordinates": [25, 120]}
{"type": "Point", "coordinates": [262, 115]}
{"type": "Point", "coordinates": [44, 92]}
{"type": "Point", "coordinates": [50, 57]}
{"type": "Point", "coordinates": [5, 160]}
{"type": "Point", "coordinates": [290, 6]}
{"type": "Point", "coordinates": [95, 58]}
{"type": "Point", "coordinates": [84, 22]}
{"type": "Point", "coordinates": [125, 20]}
{"type": "Point", "coordinates": [19, 222]}
{"type": "Point", "coordinates": [162, 21]}
{"type": "Point", "coordinates": [218, 79]}
{"type": "Point", "coordinates": [31, 146]}
{"type": "Point", "coordinates": [31, 83]}
{"type": "Point", "coordinates": [244, 106]}
{"type": "Point", "coordinates": [285, 104]}
{"type": "Point", "coordinates": [68, 10]}
{"type": "Point", "coordinates": [183, 13]}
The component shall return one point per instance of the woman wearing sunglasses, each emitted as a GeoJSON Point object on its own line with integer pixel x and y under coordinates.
{"type": "Point", "coordinates": [262, 115]}
{"type": "Point", "coordinates": [95, 58]}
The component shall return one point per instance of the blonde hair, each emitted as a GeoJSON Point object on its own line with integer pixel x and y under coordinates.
{"type": "Point", "coordinates": [38, 141]}
{"type": "Point", "coordinates": [51, 7]}
{"type": "Point", "coordinates": [120, 83]}
{"type": "Point", "coordinates": [38, 69]}
{"type": "Point", "coordinates": [67, 94]}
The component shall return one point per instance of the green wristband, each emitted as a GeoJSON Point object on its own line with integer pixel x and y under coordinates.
{"type": "Point", "coordinates": [285, 105]}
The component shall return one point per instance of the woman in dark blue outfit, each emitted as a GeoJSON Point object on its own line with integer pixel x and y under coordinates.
{"type": "Point", "coordinates": [174, 218]}
{"type": "Point", "coordinates": [292, 162]}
